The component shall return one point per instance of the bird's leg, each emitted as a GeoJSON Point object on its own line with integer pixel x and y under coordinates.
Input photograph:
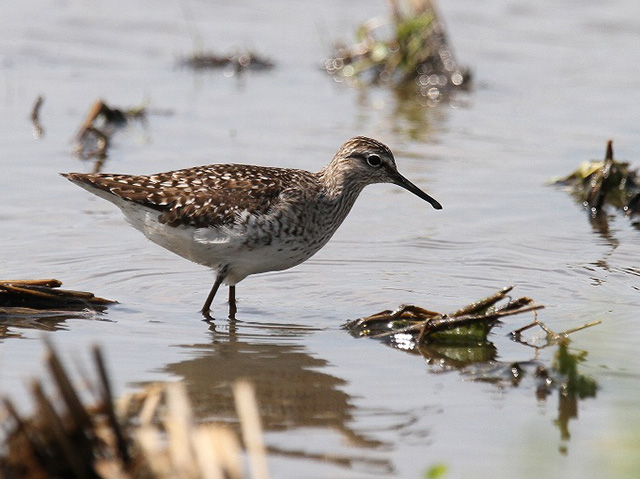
{"type": "Point", "coordinates": [207, 304]}
{"type": "Point", "coordinates": [232, 302]}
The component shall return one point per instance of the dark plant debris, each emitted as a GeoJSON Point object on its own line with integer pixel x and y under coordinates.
{"type": "Point", "coordinates": [451, 340]}
{"type": "Point", "coordinates": [416, 54]}
{"type": "Point", "coordinates": [239, 61]}
{"type": "Point", "coordinates": [44, 294]}
{"type": "Point", "coordinates": [41, 304]}
{"type": "Point", "coordinates": [459, 341]}
{"type": "Point", "coordinates": [148, 435]}
{"type": "Point", "coordinates": [415, 328]}
{"type": "Point", "coordinates": [94, 135]}
{"type": "Point", "coordinates": [596, 184]}
{"type": "Point", "coordinates": [469, 324]}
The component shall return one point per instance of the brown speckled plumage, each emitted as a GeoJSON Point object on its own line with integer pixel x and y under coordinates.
{"type": "Point", "coordinates": [244, 219]}
{"type": "Point", "coordinates": [203, 196]}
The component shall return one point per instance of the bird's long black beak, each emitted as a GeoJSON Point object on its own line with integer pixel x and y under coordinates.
{"type": "Point", "coordinates": [407, 185]}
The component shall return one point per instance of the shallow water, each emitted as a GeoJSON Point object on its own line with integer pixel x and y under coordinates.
{"type": "Point", "coordinates": [553, 81]}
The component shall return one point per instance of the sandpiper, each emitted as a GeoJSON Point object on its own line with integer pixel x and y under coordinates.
{"type": "Point", "coordinates": [243, 219]}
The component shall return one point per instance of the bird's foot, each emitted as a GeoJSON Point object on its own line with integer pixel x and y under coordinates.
{"type": "Point", "coordinates": [206, 314]}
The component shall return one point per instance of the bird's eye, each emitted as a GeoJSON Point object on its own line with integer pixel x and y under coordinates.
{"type": "Point", "coordinates": [374, 160]}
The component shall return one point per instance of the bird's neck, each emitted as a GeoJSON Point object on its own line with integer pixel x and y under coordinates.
{"type": "Point", "coordinates": [339, 181]}
{"type": "Point", "coordinates": [340, 189]}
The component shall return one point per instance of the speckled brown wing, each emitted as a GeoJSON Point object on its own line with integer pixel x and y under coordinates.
{"type": "Point", "coordinates": [200, 197]}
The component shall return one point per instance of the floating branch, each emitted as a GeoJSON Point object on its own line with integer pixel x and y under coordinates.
{"type": "Point", "coordinates": [44, 294]}
{"type": "Point", "coordinates": [42, 304]}
{"type": "Point", "coordinates": [470, 323]}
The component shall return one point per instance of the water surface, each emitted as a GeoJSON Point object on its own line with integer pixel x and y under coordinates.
{"type": "Point", "coordinates": [553, 81]}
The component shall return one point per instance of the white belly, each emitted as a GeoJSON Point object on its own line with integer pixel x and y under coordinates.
{"type": "Point", "coordinates": [223, 247]}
